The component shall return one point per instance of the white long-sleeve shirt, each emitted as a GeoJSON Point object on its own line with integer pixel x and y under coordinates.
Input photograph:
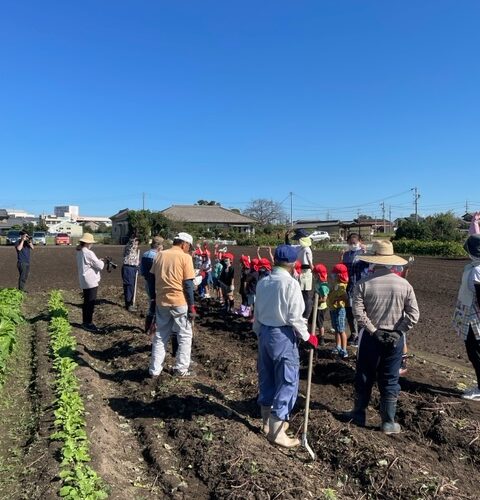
{"type": "Point", "coordinates": [279, 302]}
{"type": "Point", "coordinates": [89, 267]}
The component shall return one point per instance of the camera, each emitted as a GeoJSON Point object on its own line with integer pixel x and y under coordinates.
{"type": "Point", "coordinates": [110, 264]}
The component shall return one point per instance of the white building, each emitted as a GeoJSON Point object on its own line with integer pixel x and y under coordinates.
{"type": "Point", "coordinates": [67, 211]}
{"type": "Point", "coordinates": [12, 212]}
{"type": "Point", "coordinates": [71, 228]}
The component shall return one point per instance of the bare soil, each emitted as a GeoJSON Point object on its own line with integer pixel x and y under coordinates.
{"type": "Point", "coordinates": [200, 437]}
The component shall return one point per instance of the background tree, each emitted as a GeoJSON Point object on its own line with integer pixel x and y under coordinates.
{"type": "Point", "coordinates": [438, 227]}
{"type": "Point", "coordinates": [206, 202]}
{"type": "Point", "coordinates": [139, 224]}
{"type": "Point", "coordinates": [265, 211]}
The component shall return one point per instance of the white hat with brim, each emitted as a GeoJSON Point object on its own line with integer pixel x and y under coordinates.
{"type": "Point", "coordinates": [87, 238]}
{"type": "Point", "coordinates": [305, 242]}
{"type": "Point", "coordinates": [187, 238]}
{"type": "Point", "coordinates": [383, 254]}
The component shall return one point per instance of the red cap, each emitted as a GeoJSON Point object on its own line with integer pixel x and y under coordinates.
{"type": "Point", "coordinates": [265, 263]}
{"type": "Point", "coordinates": [245, 260]}
{"type": "Point", "coordinates": [228, 255]}
{"type": "Point", "coordinates": [341, 271]}
{"type": "Point", "coordinates": [254, 264]}
{"type": "Point", "coordinates": [298, 266]}
{"type": "Point", "coordinates": [321, 271]}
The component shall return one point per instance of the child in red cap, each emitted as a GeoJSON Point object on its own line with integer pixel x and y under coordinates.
{"type": "Point", "coordinates": [322, 289]}
{"type": "Point", "coordinates": [337, 300]}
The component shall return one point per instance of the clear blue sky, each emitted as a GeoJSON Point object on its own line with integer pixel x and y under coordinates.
{"type": "Point", "coordinates": [343, 103]}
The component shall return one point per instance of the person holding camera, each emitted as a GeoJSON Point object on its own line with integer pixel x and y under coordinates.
{"type": "Point", "coordinates": [23, 248]}
{"type": "Point", "coordinates": [385, 307]}
{"type": "Point", "coordinates": [89, 267]}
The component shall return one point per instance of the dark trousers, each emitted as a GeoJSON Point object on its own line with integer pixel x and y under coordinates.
{"type": "Point", "coordinates": [380, 363]}
{"type": "Point", "coordinates": [473, 352]}
{"type": "Point", "coordinates": [89, 298]}
{"type": "Point", "coordinates": [129, 274]}
{"type": "Point", "coordinates": [307, 300]}
{"type": "Point", "coordinates": [23, 270]}
{"type": "Point", "coordinates": [351, 321]}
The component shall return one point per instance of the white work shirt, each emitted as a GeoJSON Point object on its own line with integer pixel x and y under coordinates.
{"type": "Point", "coordinates": [279, 302]}
{"type": "Point", "coordinates": [305, 256]}
{"type": "Point", "coordinates": [89, 267]}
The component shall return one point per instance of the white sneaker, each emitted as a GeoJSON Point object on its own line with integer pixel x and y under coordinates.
{"type": "Point", "coordinates": [473, 394]}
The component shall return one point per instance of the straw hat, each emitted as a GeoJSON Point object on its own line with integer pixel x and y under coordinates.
{"type": "Point", "coordinates": [382, 253]}
{"type": "Point", "coordinates": [87, 238]}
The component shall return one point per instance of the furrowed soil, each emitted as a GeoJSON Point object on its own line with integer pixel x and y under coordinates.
{"type": "Point", "coordinates": [200, 437]}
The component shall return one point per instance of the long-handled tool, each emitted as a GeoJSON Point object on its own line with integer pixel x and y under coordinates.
{"type": "Point", "coordinates": [136, 282]}
{"type": "Point", "coordinates": [309, 384]}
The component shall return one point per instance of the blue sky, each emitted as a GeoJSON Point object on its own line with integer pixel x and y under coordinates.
{"type": "Point", "coordinates": [345, 104]}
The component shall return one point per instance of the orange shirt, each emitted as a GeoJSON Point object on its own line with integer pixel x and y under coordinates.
{"type": "Point", "coordinates": [171, 268]}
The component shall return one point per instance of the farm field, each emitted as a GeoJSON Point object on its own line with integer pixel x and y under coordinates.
{"type": "Point", "coordinates": [200, 438]}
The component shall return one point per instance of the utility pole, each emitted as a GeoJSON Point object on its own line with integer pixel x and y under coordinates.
{"type": "Point", "coordinates": [383, 215]}
{"type": "Point", "coordinates": [466, 207]}
{"type": "Point", "coordinates": [416, 196]}
{"type": "Point", "coordinates": [327, 215]}
{"type": "Point", "coordinates": [291, 209]}
{"type": "Point", "coordinates": [390, 218]}
{"type": "Point", "coordinates": [143, 201]}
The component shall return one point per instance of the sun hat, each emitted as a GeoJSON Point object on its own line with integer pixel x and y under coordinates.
{"type": "Point", "coordinates": [321, 271]}
{"type": "Point", "coordinates": [285, 253]}
{"type": "Point", "coordinates": [341, 271]}
{"type": "Point", "coordinates": [472, 245]}
{"type": "Point", "coordinates": [299, 233]}
{"type": "Point", "coordinates": [305, 242]}
{"type": "Point", "coordinates": [187, 238]}
{"type": "Point", "coordinates": [382, 253]}
{"type": "Point", "coordinates": [87, 238]}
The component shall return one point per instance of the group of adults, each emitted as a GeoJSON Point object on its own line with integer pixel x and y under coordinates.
{"type": "Point", "coordinates": [384, 308]}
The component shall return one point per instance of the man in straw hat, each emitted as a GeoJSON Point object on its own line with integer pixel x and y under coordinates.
{"type": "Point", "coordinates": [174, 273]}
{"type": "Point", "coordinates": [385, 308]}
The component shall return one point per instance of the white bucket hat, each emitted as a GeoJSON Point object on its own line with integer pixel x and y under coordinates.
{"type": "Point", "coordinates": [382, 253]}
{"type": "Point", "coordinates": [87, 238]}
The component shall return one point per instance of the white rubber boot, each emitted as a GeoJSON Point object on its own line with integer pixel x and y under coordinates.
{"type": "Point", "coordinates": [265, 410]}
{"type": "Point", "coordinates": [276, 433]}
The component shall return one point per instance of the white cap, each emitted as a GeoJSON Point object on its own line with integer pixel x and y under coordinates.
{"type": "Point", "coordinates": [187, 238]}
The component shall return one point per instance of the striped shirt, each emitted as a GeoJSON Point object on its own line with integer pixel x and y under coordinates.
{"type": "Point", "coordinates": [384, 300]}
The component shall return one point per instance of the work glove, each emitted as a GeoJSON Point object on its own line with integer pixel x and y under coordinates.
{"type": "Point", "coordinates": [312, 342]}
{"type": "Point", "coordinates": [388, 338]}
{"type": "Point", "coordinates": [191, 313]}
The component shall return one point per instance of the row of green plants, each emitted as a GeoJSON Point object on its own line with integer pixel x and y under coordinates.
{"type": "Point", "coordinates": [435, 248]}
{"type": "Point", "coordinates": [10, 318]}
{"type": "Point", "coordinates": [80, 481]}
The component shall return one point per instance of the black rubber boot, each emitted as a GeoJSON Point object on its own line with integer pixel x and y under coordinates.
{"type": "Point", "coordinates": [359, 413]}
{"type": "Point", "coordinates": [388, 410]}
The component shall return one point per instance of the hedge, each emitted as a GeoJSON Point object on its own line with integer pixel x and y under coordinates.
{"type": "Point", "coordinates": [434, 248]}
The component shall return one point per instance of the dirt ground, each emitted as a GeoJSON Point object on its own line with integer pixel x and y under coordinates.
{"type": "Point", "coordinates": [200, 437]}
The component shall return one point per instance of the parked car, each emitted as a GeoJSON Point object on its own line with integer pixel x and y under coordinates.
{"type": "Point", "coordinates": [320, 236]}
{"type": "Point", "coordinates": [63, 239]}
{"type": "Point", "coordinates": [39, 238]}
{"type": "Point", "coordinates": [13, 237]}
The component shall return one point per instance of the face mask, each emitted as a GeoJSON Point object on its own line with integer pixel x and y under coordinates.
{"type": "Point", "coordinates": [354, 246]}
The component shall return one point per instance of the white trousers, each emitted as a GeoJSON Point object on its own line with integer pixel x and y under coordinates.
{"type": "Point", "coordinates": [171, 320]}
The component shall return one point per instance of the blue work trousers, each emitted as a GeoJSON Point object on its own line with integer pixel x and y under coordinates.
{"type": "Point", "coordinates": [129, 274]}
{"type": "Point", "coordinates": [278, 369]}
{"type": "Point", "coordinates": [377, 362]}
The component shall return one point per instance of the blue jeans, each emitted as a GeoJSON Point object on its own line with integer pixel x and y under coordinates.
{"type": "Point", "coordinates": [338, 319]}
{"type": "Point", "coordinates": [377, 362]}
{"type": "Point", "coordinates": [278, 369]}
